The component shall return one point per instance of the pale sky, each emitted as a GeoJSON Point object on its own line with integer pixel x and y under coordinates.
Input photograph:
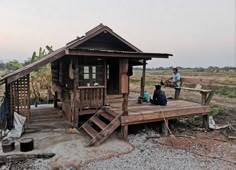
{"type": "Point", "coordinates": [196, 32]}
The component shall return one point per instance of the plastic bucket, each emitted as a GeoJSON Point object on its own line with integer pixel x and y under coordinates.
{"type": "Point", "coordinates": [146, 96]}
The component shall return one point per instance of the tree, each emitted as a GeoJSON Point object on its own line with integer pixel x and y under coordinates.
{"type": "Point", "coordinates": [13, 65]}
{"type": "Point", "coordinates": [41, 78]}
{"type": "Point", "coordinates": [2, 65]}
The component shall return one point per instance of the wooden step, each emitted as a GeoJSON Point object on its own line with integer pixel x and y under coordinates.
{"type": "Point", "coordinates": [90, 130]}
{"type": "Point", "coordinates": [104, 134]}
{"type": "Point", "coordinates": [98, 122]}
{"type": "Point", "coordinates": [111, 112]}
{"type": "Point", "coordinates": [106, 128]}
{"type": "Point", "coordinates": [106, 115]}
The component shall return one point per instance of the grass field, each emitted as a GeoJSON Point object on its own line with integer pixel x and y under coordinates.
{"type": "Point", "coordinates": [224, 82]}
{"type": "Point", "coordinates": [223, 104]}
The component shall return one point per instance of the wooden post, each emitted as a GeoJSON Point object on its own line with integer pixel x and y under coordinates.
{"type": "Point", "coordinates": [105, 83]}
{"type": "Point", "coordinates": [17, 96]}
{"type": "Point", "coordinates": [76, 83]}
{"type": "Point", "coordinates": [177, 92]}
{"type": "Point", "coordinates": [164, 128]}
{"type": "Point", "coordinates": [205, 121]}
{"type": "Point", "coordinates": [204, 97]}
{"type": "Point", "coordinates": [124, 87]}
{"type": "Point", "coordinates": [124, 129]}
{"type": "Point", "coordinates": [209, 97]}
{"type": "Point", "coordinates": [28, 88]}
{"type": "Point", "coordinates": [55, 100]}
{"type": "Point", "coordinates": [143, 79]}
{"type": "Point", "coordinates": [72, 107]}
{"type": "Point", "coordinates": [28, 100]}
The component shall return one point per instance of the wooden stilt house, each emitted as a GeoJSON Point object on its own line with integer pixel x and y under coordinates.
{"type": "Point", "coordinates": [88, 75]}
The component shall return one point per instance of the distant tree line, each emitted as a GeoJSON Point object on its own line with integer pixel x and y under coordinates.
{"type": "Point", "coordinates": [13, 65]}
{"type": "Point", "coordinates": [200, 69]}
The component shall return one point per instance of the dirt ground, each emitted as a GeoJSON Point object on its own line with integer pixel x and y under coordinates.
{"type": "Point", "coordinates": [211, 150]}
{"type": "Point", "coordinates": [70, 149]}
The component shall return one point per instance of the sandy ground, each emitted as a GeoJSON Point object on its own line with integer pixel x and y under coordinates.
{"type": "Point", "coordinates": [70, 149]}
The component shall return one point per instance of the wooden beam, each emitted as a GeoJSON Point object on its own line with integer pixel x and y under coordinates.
{"type": "Point", "coordinates": [188, 80]}
{"type": "Point", "coordinates": [121, 54]}
{"type": "Point", "coordinates": [170, 114]}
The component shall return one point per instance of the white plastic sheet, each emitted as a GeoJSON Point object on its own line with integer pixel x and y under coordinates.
{"type": "Point", "coordinates": [18, 129]}
{"type": "Point", "coordinates": [212, 124]}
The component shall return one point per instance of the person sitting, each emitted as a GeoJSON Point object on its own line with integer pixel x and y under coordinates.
{"type": "Point", "coordinates": [174, 80]}
{"type": "Point", "coordinates": [159, 97]}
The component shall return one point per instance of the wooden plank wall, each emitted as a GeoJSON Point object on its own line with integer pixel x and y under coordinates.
{"type": "Point", "coordinates": [55, 72]}
{"type": "Point", "coordinates": [90, 97]}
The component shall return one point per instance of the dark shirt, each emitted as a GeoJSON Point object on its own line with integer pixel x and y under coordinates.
{"type": "Point", "coordinates": [159, 97]}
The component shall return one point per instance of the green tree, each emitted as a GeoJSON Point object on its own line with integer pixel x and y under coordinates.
{"type": "Point", "coordinates": [13, 65]}
{"type": "Point", "coordinates": [41, 78]}
{"type": "Point", "coordinates": [2, 65]}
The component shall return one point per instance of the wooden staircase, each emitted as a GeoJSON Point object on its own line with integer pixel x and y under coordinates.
{"type": "Point", "coordinates": [101, 125]}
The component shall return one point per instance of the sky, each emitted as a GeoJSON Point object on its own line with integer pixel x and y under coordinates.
{"type": "Point", "coordinates": [199, 33]}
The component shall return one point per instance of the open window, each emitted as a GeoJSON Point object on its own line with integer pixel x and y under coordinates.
{"type": "Point", "coordinates": [90, 75]}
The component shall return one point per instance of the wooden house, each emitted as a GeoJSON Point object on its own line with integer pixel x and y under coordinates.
{"type": "Point", "coordinates": [90, 75]}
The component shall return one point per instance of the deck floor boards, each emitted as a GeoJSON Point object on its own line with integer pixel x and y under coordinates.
{"type": "Point", "coordinates": [146, 112]}
{"type": "Point", "coordinates": [46, 117]}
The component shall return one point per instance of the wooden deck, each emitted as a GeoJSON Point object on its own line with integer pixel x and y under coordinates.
{"type": "Point", "coordinates": [146, 112]}
{"type": "Point", "coordinates": [46, 117]}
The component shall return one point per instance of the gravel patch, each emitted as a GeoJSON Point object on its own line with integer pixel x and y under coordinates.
{"type": "Point", "coordinates": [37, 164]}
{"type": "Point", "coordinates": [148, 155]}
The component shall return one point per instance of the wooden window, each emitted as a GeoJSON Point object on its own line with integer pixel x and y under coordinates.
{"type": "Point", "coordinates": [86, 72]}
{"type": "Point", "coordinates": [107, 72]}
{"type": "Point", "coordinates": [94, 72]}
{"type": "Point", "coordinates": [91, 74]}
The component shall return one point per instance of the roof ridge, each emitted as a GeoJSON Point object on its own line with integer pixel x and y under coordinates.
{"type": "Point", "coordinates": [98, 27]}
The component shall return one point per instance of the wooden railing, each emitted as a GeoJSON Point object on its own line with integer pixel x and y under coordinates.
{"type": "Point", "coordinates": [90, 97]}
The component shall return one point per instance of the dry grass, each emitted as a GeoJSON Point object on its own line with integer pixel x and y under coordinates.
{"type": "Point", "coordinates": [224, 85]}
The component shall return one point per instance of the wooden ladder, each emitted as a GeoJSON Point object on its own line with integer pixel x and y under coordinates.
{"type": "Point", "coordinates": [101, 125]}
